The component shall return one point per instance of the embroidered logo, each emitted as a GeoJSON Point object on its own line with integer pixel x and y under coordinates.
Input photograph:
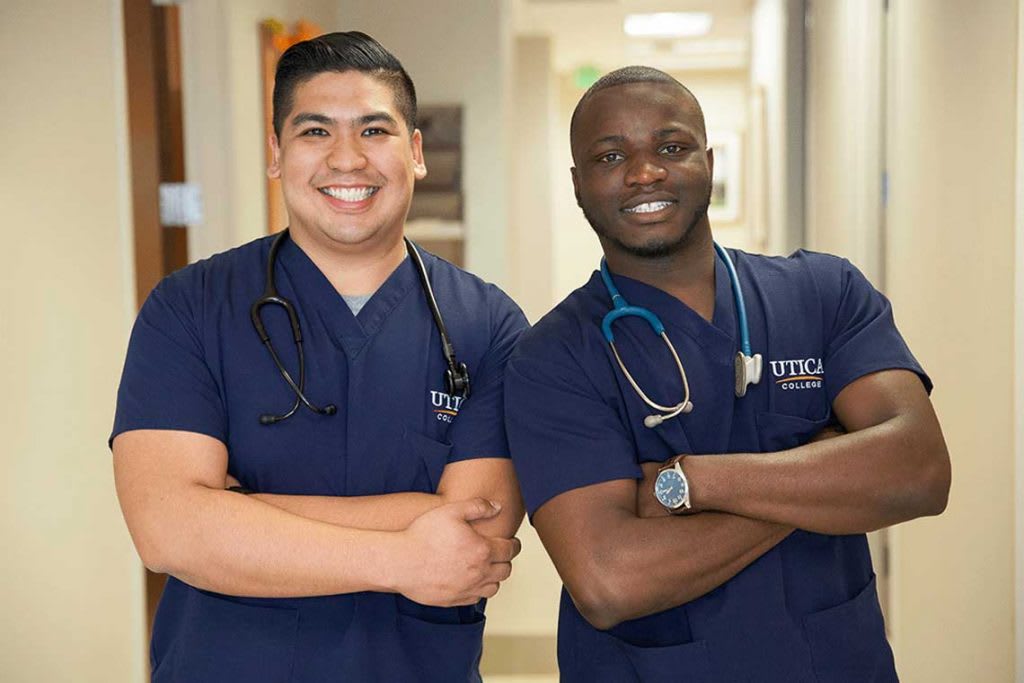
{"type": "Point", "coordinates": [799, 373]}
{"type": "Point", "coordinates": [445, 406]}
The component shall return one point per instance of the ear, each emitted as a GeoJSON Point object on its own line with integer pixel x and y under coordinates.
{"type": "Point", "coordinates": [419, 166]}
{"type": "Point", "coordinates": [575, 184]}
{"type": "Point", "coordinates": [274, 169]}
{"type": "Point", "coordinates": [711, 162]}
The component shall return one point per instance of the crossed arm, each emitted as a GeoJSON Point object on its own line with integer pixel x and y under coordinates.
{"type": "Point", "coordinates": [489, 478]}
{"type": "Point", "coordinates": [445, 549]}
{"type": "Point", "coordinates": [890, 467]}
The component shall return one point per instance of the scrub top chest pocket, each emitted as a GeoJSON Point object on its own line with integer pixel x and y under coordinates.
{"type": "Point", "coordinates": [797, 384]}
{"type": "Point", "coordinates": [795, 401]}
{"type": "Point", "coordinates": [799, 406]}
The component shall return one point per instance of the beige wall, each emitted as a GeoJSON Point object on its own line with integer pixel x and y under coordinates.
{"type": "Point", "coordinates": [1018, 344]}
{"type": "Point", "coordinates": [845, 43]}
{"type": "Point", "coordinates": [950, 270]}
{"type": "Point", "coordinates": [575, 249]}
{"type": "Point", "coordinates": [535, 130]}
{"type": "Point", "coordinates": [70, 583]}
{"type": "Point", "coordinates": [776, 75]}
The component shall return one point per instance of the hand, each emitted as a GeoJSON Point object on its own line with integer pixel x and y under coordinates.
{"type": "Point", "coordinates": [828, 432]}
{"type": "Point", "coordinates": [445, 562]}
{"type": "Point", "coordinates": [230, 481]}
{"type": "Point", "coordinates": [646, 504]}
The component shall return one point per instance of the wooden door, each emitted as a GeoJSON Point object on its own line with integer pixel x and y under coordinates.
{"type": "Point", "coordinates": [156, 150]}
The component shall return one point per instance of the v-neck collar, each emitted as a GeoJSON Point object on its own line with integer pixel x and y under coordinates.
{"type": "Point", "coordinates": [707, 428]}
{"type": "Point", "coordinates": [674, 313]}
{"type": "Point", "coordinates": [318, 298]}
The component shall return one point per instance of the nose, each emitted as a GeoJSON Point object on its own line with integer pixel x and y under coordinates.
{"type": "Point", "coordinates": [645, 170]}
{"type": "Point", "coordinates": [346, 155]}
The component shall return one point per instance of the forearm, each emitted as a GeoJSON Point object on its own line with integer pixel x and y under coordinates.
{"type": "Point", "coordinates": [395, 511]}
{"type": "Point", "coordinates": [224, 542]}
{"type": "Point", "coordinates": [854, 483]}
{"type": "Point", "coordinates": [679, 559]}
{"type": "Point", "coordinates": [388, 512]}
{"type": "Point", "coordinates": [703, 552]}
{"type": "Point", "coordinates": [491, 479]}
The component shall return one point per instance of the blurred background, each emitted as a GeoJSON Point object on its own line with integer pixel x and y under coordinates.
{"type": "Point", "coordinates": [133, 141]}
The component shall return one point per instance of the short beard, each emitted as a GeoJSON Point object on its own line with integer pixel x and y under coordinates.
{"type": "Point", "coordinates": [654, 249]}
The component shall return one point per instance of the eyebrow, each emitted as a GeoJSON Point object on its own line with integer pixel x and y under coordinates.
{"type": "Point", "coordinates": [376, 117]}
{"type": "Point", "coordinates": [608, 139]}
{"type": "Point", "coordinates": [669, 132]}
{"type": "Point", "coordinates": [324, 120]}
{"type": "Point", "coordinates": [307, 117]}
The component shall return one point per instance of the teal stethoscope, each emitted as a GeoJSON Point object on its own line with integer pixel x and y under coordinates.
{"type": "Point", "coordinates": [747, 365]}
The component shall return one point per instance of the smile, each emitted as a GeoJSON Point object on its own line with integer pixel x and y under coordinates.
{"type": "Point", "coordinates": [349, 194]}
{"type": "Point", "coordinates": [648, 207]}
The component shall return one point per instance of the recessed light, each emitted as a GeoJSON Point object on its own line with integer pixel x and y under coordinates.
{"type": "Point", "coordinates": [667, 24]}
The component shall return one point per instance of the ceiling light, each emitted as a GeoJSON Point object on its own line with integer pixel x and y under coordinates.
{"type": "Point", "coordinates": [667, 24]}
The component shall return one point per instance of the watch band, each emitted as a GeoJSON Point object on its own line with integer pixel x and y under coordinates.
{"type": "Point", "coordinates": [673, 462]}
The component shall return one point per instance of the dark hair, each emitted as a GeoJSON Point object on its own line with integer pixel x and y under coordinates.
{"type": "Point", "coordinates": [340, 52]}
{"type": "Point", "coordinates": [631, 74]}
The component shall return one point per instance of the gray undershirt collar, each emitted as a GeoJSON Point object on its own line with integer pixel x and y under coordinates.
{"type": "Point", "coordinates": [356, 301]}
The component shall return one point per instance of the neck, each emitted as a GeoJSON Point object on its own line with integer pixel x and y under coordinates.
{"type": "Point", "coordinates": [688, 273]}
{"type": "Point", "coordinates": [353, 269]}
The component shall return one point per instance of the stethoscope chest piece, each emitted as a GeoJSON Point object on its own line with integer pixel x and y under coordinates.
{"type": "Point", "coordinates": [748, 371]}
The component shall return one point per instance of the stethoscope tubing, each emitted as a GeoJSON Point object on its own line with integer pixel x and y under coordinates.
{"type": "Point", "coordinates": [737, 293]}
{"type": "Point", "coordinates": [745, 363]}
{"type": "Point", "coordinates": [456, 374]}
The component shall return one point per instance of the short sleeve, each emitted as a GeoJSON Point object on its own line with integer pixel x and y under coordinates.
{"type": "Point", "coordinates": [863, 337]}
{"type": "Point", "coordinates": [166, 382]}
{"type": "Point", "coordinates": [479, 429]}
{"type": "Point", "coordinates": [563, 434]}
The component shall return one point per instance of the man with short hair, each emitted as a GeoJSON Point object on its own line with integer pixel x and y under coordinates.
{"type": "Point", "coordinates": [371, 505]}
{"type": "Point", "coordinates": [703, 436]}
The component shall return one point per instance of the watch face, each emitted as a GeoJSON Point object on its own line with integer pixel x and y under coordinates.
{"type": "Point", "coordinates": [670, 489]}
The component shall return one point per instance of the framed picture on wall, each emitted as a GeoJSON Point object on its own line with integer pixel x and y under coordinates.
{"type": "Point", "coordinates": [726, 185]}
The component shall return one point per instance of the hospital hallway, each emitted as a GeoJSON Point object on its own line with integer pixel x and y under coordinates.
{"type": "Point", "coordinates": [890, 132]}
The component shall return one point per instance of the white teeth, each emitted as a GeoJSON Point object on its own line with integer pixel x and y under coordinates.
{"type": "Point", "coordinates": [349, 194]}
{"type": "Point", "coordinates": [648, 207]}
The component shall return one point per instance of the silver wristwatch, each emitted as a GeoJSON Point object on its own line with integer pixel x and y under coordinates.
{"type": "Point", "coordinates": [671, 487]}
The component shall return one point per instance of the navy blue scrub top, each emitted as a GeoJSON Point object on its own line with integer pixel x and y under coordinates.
{"type": "Point", "coordinates": [195, 364]}
{"type": "Point", "coordinates": [807, 610]}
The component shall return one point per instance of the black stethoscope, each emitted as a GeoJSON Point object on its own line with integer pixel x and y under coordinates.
{"type": "Point", "coordinates": [456, 376]}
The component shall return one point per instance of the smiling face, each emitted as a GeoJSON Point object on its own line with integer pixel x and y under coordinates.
{"type": "Point", "coordinates": [643, 171]}
{"type": "Point", "coordinates": [347, 162]}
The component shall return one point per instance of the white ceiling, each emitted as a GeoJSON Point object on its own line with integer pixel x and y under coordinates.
{"type": "Point", "coordinates": [589, 32]}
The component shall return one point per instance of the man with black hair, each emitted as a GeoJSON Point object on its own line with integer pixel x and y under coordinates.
{"type": "Point", "coordinates": [703, 436]}
{"type": "Point", "coordinates": [350, 386]}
